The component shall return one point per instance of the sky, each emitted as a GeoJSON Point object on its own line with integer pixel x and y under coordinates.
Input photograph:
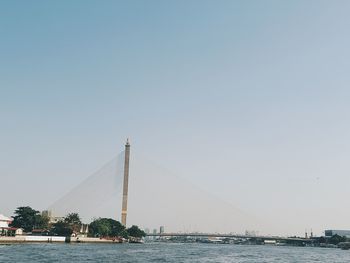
{"type": "Point", "coordinates": [248, 100]}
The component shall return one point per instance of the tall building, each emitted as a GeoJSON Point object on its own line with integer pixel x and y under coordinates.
{"type": "Point", "coordinates": [47, 213]}
{"type": "Point", "coordinates": [125, 183]}
{"type": "Point", "coordinates": [51, 217]}
{"type": "Point", "coordinates": [161, 230]}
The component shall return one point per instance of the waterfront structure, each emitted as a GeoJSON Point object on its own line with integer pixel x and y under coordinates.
{"type": "Point", "coordinates": [342, 233]}
{"type": "Point", "coordinates": [83, 232]}
{"type": "Point", "coordinates": [17, 231]}
{"type": "Point", "coordinates": [4, 221]}
{"type": "Point", "coordinates": [5, 228]}
{"type": "Point", "coordinates": [125, 183]}
{"type": "Point", "coordinates": [4, 224]}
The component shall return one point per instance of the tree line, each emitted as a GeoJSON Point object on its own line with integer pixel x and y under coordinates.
{"type": "Point", "coordinates": [30, 219]}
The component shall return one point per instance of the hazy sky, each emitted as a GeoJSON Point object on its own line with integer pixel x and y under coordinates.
{"type": "Point", "coordinates": [249, 100]}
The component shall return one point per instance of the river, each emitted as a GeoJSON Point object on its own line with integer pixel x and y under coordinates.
{"type": "Point", "coordinates": [167, 252]}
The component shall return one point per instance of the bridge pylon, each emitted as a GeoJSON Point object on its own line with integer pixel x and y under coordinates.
{"type": "Point", "coordinates": [125, 183]}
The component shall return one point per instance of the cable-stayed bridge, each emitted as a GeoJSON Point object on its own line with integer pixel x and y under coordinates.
{"type": "Point", "coordinates": [156, 197]}
{"type": "Point", "coordinates": [298, 240]}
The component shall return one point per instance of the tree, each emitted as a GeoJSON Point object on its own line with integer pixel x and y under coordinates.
{"type": "Point", "coordinates": [103, 227]}
{"type": "Point", "coordinates": [135, 231]}
{"type": "Point", "coordinates": [322, 240]}
{"type": "Point", "coordinates": [99, 227]}
{"type": "Point", "coordinates": [41, 222]}
{"type": "Point", "coordinates": [74, 222]}
{"type": "Point", "coordinates": [28, 218]}
{"type": "Point", "coordinates": [116, 227]}
{"type": "Point", "coordinates": [336, 239]}
{"type": "Point", "coordinates": [73, 218]}
{"type": "Point", "coordinates": [61, 228]}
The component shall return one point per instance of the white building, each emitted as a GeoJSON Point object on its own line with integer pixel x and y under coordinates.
{"type": "Point", "coordinates": [4, 225]}
{"type": "Point", "coordinates": [4, 221]}
{"type": "Point", "coordinates": [5, 229]}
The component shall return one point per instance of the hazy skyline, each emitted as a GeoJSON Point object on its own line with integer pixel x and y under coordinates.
{"type": "Point", "coordinates": [247, 100]}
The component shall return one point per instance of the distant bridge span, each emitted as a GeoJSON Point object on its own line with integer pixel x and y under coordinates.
{"type": "Point", "coordinates": [298, 239]}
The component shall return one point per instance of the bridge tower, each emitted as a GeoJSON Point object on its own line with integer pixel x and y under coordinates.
{"type": "Point", "coordinates": [125, 183]}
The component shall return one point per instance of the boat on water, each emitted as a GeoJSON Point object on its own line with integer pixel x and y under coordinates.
{"type": "Point", "coordinates": [136, 240]}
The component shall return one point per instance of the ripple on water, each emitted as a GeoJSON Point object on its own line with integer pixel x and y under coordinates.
{"type": "Point", "coordinates": [165, 252]}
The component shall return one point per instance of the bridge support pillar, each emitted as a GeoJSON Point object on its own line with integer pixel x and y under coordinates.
{"type": "Point", "coordinates": [125, 183]}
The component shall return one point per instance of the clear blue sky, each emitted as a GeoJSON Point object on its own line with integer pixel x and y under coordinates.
{"type": "Point", "coordinates": [236, 96]}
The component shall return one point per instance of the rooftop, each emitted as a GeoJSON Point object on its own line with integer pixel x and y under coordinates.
{"type": "Point", "coordinates": [5, 218]}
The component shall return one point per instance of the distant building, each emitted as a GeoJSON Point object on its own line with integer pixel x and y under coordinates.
{"type": "Point", "coordinates": [161, 230]}
{"type": "Point", "coordinates": [342, 233]}
{"type": "Point", "coordinates": [46, 213]}
{"type": "Point", "coordinates": [4, 225]}
{"type": "Point", "coordinates": [84, 231]}
{"type": "Point", "coordinates": [4, 221]}
{"type": "Point", "coordinates": [13, 231]}
{"type": "Point", "coordinates": [52, 219]}
{"type": "Point", "coordinates": [251, 233]}
{"type": "Point", "coordinates": [6, 230]}
{"type": "Point", "coordinates": [18, 231]}
{"type": "Point", "coordinates": [154, 231]}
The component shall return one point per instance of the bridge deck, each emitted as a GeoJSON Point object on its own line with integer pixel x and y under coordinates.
{"type": "Point", "coordinates": [228, 236]}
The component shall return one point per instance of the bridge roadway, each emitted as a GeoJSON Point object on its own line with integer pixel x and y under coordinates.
{"type": "Point", "coordinates": [299, 239]}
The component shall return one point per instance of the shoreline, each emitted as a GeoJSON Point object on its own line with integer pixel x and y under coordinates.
{"type": "Point", "coordinates": [55, 239]}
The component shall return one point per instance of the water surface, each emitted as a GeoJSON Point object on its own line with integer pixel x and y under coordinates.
{"type": "Point", "coordinates": [167, 252]}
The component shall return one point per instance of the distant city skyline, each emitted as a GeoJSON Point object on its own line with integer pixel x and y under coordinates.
{"type": "Point", "coordinates": [246, 100]}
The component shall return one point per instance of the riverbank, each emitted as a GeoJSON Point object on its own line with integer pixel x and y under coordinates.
{"type": "Point", "coordinates": [55, 239]}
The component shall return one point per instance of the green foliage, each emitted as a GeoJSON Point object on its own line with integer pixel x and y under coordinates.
{"type": "Point", "coordinates": [74, 222]}
{"type": "Point", "coordinates": [66, 227]}
{"type": "Point", "coordinates": [106, 227]}
{"type": "Point", "coordinates": [135, 231]}
{"type": "Point", "coordinates": [336, 239]}
{"type": "Point", "coordinates": [73, 218]}
{"type": "Point", "coordinates": [41, 222]}
{"type": "Point", "coordinates": [61, 228]}
{"type": "Point", "coordinates": [28, 219]}
{"type": "Point", "coordinates": [322, 240]}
